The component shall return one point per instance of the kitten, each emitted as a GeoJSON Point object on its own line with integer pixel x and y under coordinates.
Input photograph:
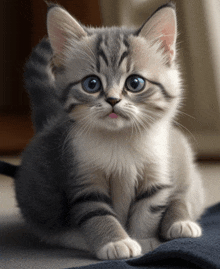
{"type": "Point", "coordinates": [107, 168]}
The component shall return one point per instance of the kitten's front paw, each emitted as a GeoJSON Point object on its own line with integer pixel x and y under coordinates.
{"type": "Point", "coordinates": [186, 228]}
{"type": "Point", "coordinates": [122, 249]}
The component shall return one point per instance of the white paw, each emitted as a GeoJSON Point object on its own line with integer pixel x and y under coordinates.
{"type": "Point", "coordinates": [186, 228]}
{"type": "Point", "coordinates": [122, 249]}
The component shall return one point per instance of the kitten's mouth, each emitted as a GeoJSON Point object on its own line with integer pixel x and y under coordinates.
{"type": "Point", "coordinates": [113, 116]}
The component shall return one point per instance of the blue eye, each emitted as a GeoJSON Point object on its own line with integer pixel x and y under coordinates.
{"type": "Point", "coordinates": [91, 84]}
{"type": "Point", "coordinates": [135, 83]}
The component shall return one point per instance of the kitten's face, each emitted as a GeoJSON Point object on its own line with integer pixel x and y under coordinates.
{"type": "Point", "coordinates": [114, 79]}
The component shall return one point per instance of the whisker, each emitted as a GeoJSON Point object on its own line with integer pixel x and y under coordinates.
{"type": "Point", "coordinates": [186, 129]}
{"type": "Point", "coordinates": [134, 124]}
{"type": "Point", "coordinates": [183, 113]}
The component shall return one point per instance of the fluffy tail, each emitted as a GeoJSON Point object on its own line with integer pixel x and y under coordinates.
{"type": "Point", "coordinates": [39, 83]}
{"type": "Point", "coordinates": [8, 169]}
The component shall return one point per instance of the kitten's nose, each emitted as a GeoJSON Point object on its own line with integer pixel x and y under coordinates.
{"type": "Point", "coordinates": [113, 101]}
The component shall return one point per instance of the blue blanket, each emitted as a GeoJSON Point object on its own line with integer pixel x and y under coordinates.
{"type": "Point", "coordinates": [203, 252]}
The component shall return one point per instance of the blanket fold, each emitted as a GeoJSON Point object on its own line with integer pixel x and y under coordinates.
{"type": "Point", "coordinates": [202, 252]}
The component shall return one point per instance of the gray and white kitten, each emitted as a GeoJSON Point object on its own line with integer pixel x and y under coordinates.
{"type": "Point", "coordinates": [107, 170]}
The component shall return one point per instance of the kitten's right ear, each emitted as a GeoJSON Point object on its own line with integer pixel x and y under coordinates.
{"type": "Point", "coordinates": [162, 27]}
{"type": "Point", "coordinates": [61, 28]}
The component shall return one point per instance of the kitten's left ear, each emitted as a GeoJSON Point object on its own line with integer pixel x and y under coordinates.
{"type": "Point", "coordinates": [62, 28]}
{"type": "Point", "coordinates": [162, 26]}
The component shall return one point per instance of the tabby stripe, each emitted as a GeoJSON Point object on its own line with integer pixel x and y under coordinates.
{"type": "Point", "coordinates": [45, 44]}
{"type": "Point", "coordinates": [66, 91]}
{"type": "Point", "coordinates": [142, 97]}
{"type": "Point", "coordinates": [32, 72]}
{"type": "Point", "coordinates": [70, 108]}
{"type": "Point", "coordinates": [151, 192]}
{"type": "Point", "coordinates": [83, 98]}
{"type": "Point", "coordinates": [79, 99]}
{"type": "Point", "coordinates": [123, 56]}
{"type": "Point", "coordinates": [126, 43]}
{"type": "Point", "coordinates": [36, 57]}
{"type": "Point", "coordinates": [102, 54]}
{"type": "Point", "coordinates": [98, 66]}
{"type": "Point", "coordinates": [95, 213]}
{"type": "Point", "coordinates": [157, 208]}
{"type": "Point", "coordinates": [93, 197]}
{"type": "Point", "coordinates": [163, 90]}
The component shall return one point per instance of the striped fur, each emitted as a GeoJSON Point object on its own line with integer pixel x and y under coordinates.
{"type": "Point", "coordinates": [39, 82]}
{"type": "Point", "coordinates": [98, 183]}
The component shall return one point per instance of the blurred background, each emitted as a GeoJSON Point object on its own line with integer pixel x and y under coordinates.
{"type": "Point", "coordinates": [23, 25]}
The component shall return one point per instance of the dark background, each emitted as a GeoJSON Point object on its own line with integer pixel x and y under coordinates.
{"type": "Point", "coordinates": [23, 25]}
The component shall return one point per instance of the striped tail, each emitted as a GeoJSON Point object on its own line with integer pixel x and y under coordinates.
{"type": "Point", "coordinates": [8, 169]}
{"type": "Point", "coordinates": [39, 84]}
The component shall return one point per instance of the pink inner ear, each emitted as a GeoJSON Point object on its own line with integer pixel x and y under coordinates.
{"type": "Point", "coordinates": [168, 38]}
{"type": "Point", "coordinates": [57, 39]}
{"type": "Point", "coordinates": [162, 27]}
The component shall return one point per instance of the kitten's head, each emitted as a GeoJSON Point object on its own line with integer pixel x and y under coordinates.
{"type": "Point", "coordinates": [116, 78]}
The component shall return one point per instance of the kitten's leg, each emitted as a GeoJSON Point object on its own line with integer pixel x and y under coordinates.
{"type": "Point", "coordinates": [177, 222]}
{"type": "Point", "coordinates": [93, 214]}
{"type": "Point", "coordinates": [145, 215]}
{"type": "Point", "coordinates": [98, 231]}
{"type": "Point", "coordinates": [184, 209]}
{"type": "Point", "coordinates": [106, 236]}
{"type": "Point", "coordinates": [186, 204]}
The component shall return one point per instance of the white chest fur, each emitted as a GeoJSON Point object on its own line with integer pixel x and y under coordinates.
{"type": "Point", "coordinates": [122, 154]}
{"type": "Point", "coordinates": [109, 154]}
